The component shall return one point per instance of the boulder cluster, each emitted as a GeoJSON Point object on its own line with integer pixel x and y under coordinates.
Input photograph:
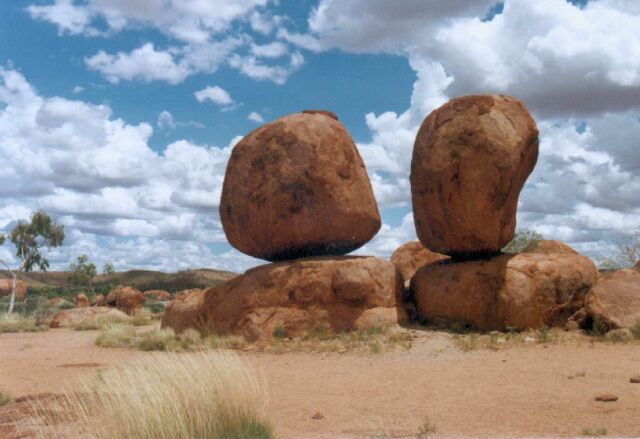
{"type": "Point", "coordinates": [296, 193]}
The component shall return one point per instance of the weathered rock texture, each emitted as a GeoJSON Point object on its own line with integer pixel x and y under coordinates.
{"type": "Point", "coordinates": [547, 246]}
{"type": "Point", "coordinates": [520, 291]}
{"type": "Point", "coordinates": [21, 289]}
{"type": "Point", "coordinates": [185, 311]}
{"type": "Point", "coordinates": [615, 300]}
{"type": "Point", "coordinates": [127, 299]}
{"type": "Point", "coordinates": [81, 301]}
{"type": "Point", "coordinates": [298, 187]}
{"type": "Point", "coordinates": [160, 295]}
{"type": "Point", "coordinates": [335, 293]}
{"type": "Point", "coordinates": [411, 256]}
{"type": "Point", "coordinates": [470, 160]}
{"type": "Point", "coordinates": [99, 300]}
{"type": "Point", "coordinates": [75, 316]}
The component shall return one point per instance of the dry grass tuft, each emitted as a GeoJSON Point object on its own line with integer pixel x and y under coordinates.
{"type": "Point", "coordinates": [101, 323]}
{"type": "Point", "coordinates": [208, 395]}
{"type": "Point", "coordinates": [124, 335]}
{"type": "Point", "coordinates": [372, 340]}
{"type": "Point", "coordinates": [14, 322]}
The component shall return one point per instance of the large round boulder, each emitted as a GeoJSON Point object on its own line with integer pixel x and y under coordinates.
{"type": "Point", "coordinates": [298, 187]}
{"type": "Point", "coordinates": [615, 300]}
{"type": "Point", "coordinates": [185, 311]}
{"type": "Point", "coordinates": [293, 298]}
{"type": "Point", "coordinates": [84, 316]}
{"type": "Point", "coordinates": [411, 256]}
{"type": "Point", "coordinates": [470, 160]}
{"type": "Point", "coordinates": [6, 286]}
{"type": "Point", "coordinates": [126, 299]}
{"type": "Point", "coordinates": [520, 291]}
{"type": "Point", "coordinates": [158, 295]}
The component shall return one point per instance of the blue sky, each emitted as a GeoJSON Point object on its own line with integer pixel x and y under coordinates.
{"type": "Point", "coordinates": [99, 115]}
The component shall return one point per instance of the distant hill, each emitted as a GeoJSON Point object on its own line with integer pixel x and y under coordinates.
{"type": "Point", "coordinates": [140, 279]}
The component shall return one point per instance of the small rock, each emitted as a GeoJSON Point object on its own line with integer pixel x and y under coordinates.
{"type": "Point", "coordinates": [530, 340]}
{"type": "Point", "coordinates": [317, 416]}
{"type": "Point", "coordinates": [501, 341]}
{"type": "Point", "coordinates": [606, 398]}
{"type": "Point", "coordinates": [635, 379]}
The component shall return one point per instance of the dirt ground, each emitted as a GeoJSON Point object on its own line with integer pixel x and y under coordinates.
{"type": "Point", "coordinates": [522, 390]}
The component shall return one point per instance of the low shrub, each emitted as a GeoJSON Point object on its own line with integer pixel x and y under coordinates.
{"type": "Point", "coordinates": [208, 395]}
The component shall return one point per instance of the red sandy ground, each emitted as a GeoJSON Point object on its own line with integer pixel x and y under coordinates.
{"type": "Point", "coordinates": [522, 390]}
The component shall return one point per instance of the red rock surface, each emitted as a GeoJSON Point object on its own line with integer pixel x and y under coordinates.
{"type": "Point", "coordinates": [333, 293]}
{"type": "Point", "coordinates": [126, 299]}
{"type": "Point", "coordinates": [298, 187]}
{"type": "Point", "coordinates": [6, 285]}
{"type": "Point", "coordinates": [185, 311]}
{"type": "Point", "coordinates": [69, 318]}
{"type": "Point", "coordinates": [411, 256]}
{"type": "Point", "coordinates": [520, 291]}
{"type": "Point", "coordinates": [161, 295]}
{"type": "Point", "coordinates": [616, 299]}
{"type": "Point", "coordinates": [81, 301]}
{"type": "Point", "coordinates": [470, 160]}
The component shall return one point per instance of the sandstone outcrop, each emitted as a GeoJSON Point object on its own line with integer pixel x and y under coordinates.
{"type": "Point", "coordinates": [520, 291]}
{"type": "Point", "coordinates": [185, 311]}
{"type": "Point", "coordinates": [615, 300]}
{"type": "Point", "coordinates": [83, 316]}
{"type": "Point", "coordinates": [160, 295]}
{"type": "Point", "coordinates": [7, 284]}
{"type": "Point", "coordinates": [294, 297]}
{"type": "Point", "coordinates": [81, 301]}
{"type": "Point", "coordinates": [297, 187]}
{"type": "Point", "coordinates": [410, 257]}
{"type": "Point", "coordinates": [126, 299]}
{"type": "Point", "coordinates": [470, 160]}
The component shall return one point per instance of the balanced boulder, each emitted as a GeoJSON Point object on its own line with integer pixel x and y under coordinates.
{"type": "Point", "coordinates": [126, 299]}
{"type": "Point", "coordinates": [520, 291]}
{"type": "Point", "coordinates": [470, 160]}
{"type": "Point", "coordinates": [81, 301]}
{"type": "Point", "coordinates": [615, 300]}
{"type": "Point", "coordinates": [84, 316]}
{"type": "Point", "coordinates": [7, 284]}
{"type": "Point", "coordinates": [295, 297]}
{"type": "Point", "coordinates": [185, 311]}
{"type": "Point", "coordinates": [297, 187]}
{"type": "Point", "coordinates": [411, 256]}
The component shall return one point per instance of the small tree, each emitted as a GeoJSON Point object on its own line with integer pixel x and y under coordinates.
{"type": "Point", "coordinates": [29, 238]}
{"type": "Point", "coordinates": [524, 239]}
{"type": "Point", "coordinates": [82, 272]}
{"type": "Point", "coordinates": [107, 269]}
